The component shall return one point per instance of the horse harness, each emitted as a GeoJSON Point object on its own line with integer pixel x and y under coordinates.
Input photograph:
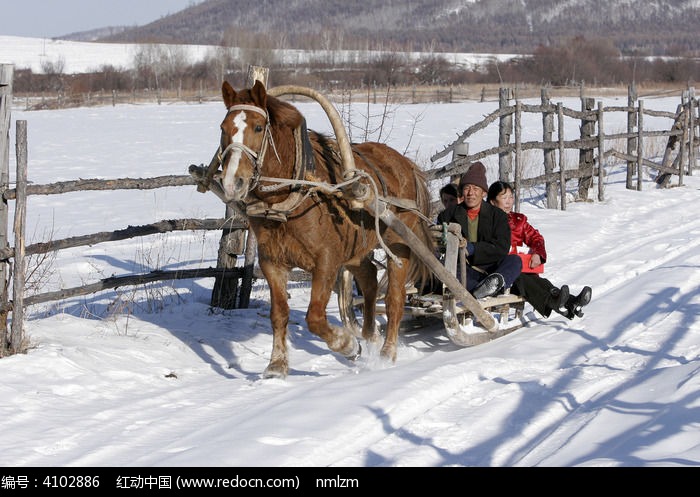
{"type": "Point", "coordinates": [303, 162]}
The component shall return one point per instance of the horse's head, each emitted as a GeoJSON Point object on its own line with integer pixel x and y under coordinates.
{"type": "Point", "coordinates": [255, 123]}
{"type": "Point", "coordinates": [243, 139]}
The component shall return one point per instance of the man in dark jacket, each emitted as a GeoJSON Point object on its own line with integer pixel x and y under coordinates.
{"type": "Point", "coordinates": [490, 268]}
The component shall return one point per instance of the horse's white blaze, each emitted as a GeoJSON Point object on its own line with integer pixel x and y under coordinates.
{"type": "Point", "coordinates": [235, 154]}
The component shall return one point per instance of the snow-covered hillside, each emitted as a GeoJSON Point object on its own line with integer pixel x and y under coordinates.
{"type": "Point", "coordinates": [81, 57]}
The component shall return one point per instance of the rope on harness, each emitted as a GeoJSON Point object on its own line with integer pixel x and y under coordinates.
{"type": "Point", "coordinates": [331, 189]}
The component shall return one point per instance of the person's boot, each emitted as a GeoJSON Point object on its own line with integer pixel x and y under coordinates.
{"type": "Point", "coordinates": [489, 286]}
{"type": "Point", "coordinates": [558, 298]}
{"type": "Point", "coordinates": [574, 304]}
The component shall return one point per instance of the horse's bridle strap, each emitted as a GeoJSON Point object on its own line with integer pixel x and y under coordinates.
{"type": "Point", "coordinates": [239, 146]}
{"type": "Point", "coordinates": [256, 158]}
{"type": "Point", "coordinates": [251, 108]}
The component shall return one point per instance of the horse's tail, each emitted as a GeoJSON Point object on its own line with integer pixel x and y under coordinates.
{"type": "Point", "coordinates": [419, 273]}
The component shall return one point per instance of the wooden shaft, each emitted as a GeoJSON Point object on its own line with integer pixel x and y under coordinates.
{"type": "Point", "coordinates": [428, 257]}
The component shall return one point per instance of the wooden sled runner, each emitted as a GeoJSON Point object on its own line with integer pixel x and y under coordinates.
{"type": "Point", "coordinates": [461, 314]}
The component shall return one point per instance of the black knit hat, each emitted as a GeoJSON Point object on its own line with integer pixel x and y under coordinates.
{"type": "Point", "coordinates": [475, 175]}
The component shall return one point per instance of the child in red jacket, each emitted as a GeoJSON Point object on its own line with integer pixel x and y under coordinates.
{"type": "Point", "coordinates": [538, 291]}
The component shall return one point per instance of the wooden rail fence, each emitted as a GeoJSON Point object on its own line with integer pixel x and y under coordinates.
{"type": "Point", "coordinates": [682, 133]}
{"type": "Point", "coordinates": [682, 136]}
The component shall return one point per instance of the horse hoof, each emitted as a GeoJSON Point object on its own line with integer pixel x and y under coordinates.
{"type": "Point", "coordinates": [272, 372]}
{"type": "Point", "coordinates": [356, 353]}
{"type": "Point", "coordinates": [388, 354]}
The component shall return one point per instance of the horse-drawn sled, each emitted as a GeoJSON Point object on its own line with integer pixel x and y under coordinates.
{"type": "Point", "coordinates": [438, 306]}
{"type": "Point", "coordinates": [326, 206]}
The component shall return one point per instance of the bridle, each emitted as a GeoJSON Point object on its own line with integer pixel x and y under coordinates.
{"type": "Point", "coordinates": [256, 158]}
{"type": "Point", "coordinates": [255, 207]}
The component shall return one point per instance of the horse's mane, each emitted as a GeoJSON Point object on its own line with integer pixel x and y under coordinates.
{"type": "Point", "coordinates": [282, 113]}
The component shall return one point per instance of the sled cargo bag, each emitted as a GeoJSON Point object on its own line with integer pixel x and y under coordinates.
{"type": "Point", "coordinates": [526, 265]}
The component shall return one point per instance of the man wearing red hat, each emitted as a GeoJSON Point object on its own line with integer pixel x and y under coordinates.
{"type": "Point", "coordinates": [490, 268]}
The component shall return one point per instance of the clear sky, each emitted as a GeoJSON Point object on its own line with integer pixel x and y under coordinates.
{"type": "Point", "coordinates": [52, 18]}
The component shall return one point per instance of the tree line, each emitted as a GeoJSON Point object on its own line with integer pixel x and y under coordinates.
{"type": "Point", "coordinates": [165, 67]}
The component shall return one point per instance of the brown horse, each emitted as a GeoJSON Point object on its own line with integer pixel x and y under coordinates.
{"type": "Point", "coordinates": [300, 204]}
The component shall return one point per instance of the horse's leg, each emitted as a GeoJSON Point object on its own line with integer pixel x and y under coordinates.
{"type": "Point", "coordinates": [279, 318]}
{"type": "Point", "coordinates": [338, 339]}
{"type": "Point", "coordinates": [395, 299]}
{"type": "Point", "coordinates": [366, 276]}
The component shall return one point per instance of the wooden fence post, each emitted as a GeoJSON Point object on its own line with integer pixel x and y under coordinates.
{"type": "Point", "coordinates": [505, 161]}
{"type": "Point", "coordinates": [685, 140]}
{"type": "Point", "coordinates": [631, 124]}
{"type": "Point", "coordinates": [601, 152]}
{"type": "Point", "coordinates": [6, 74]}
{"type": "Point", "coordinates": [640, 143]}
{"type": "Point", "coordinates": [697, 121]}
{"type": "Point", "coordinates": [517, 175]}
{"type": "Point", "coordinates": [663, 178]}
{"type": "Point", "coordinates": [549, 153]}
{"type": "Point", "coordinates": [692, 102]}
{"type": "Point", "coordinates": [562, 150]}
{"type": "Point", "coordinates": [17, 337]}
{"type": "Point", "coordinates": [585, 158]}
{"type": "Point", "coordinates": [225, 293]}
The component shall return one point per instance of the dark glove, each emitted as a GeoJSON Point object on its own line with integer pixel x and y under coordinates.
{"type": "Point", "coordinates": [470, 249]}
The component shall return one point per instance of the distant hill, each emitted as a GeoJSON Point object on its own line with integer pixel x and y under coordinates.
{"type": "Point", "coordinates": [95, 34]}
{"type": "Point", "coordinates": [661, 27]}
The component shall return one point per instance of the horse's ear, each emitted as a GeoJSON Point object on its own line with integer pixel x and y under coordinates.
{"type": "Point", "coordinates": [259, 94]}
{"type": "Point", "coordinates": [228, 93]}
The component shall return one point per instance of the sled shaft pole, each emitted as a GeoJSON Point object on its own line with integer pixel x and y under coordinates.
{"type": "Point", "coordinates": [428, 257]}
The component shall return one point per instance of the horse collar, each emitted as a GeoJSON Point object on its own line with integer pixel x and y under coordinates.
{"type": "Point", "coordinates": [303, 162]}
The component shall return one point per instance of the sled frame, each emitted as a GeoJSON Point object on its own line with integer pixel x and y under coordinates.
{"type": "Point", "coordinates": [425, 310]}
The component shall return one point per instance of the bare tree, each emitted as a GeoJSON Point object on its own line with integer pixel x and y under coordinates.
{"type": "Point", "coordinates": [433, 70]}
{"type": "Point", "coordinates": [146, 72]}
{"type": "Point", "coordinates": [174, 62]}
{"type": "Point", "coordinates": [386, 69]}
{"type": "Point", "coordinates": [54, 71]}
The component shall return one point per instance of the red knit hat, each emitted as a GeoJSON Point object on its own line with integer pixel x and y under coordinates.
{"type": "Point", "coordinates": [475, 175]}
